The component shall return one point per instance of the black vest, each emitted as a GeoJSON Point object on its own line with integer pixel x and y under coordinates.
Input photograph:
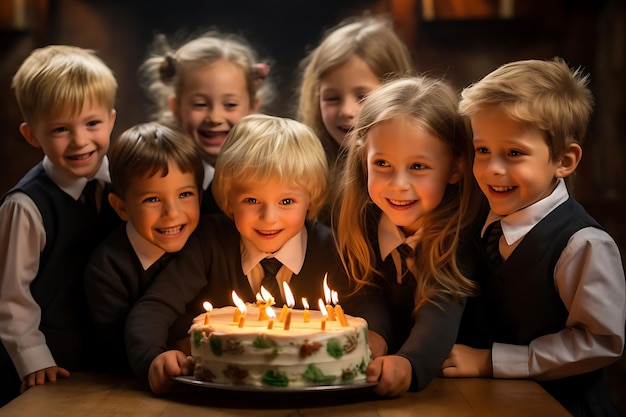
{"type": "Point", "coordinates": [72, 232]}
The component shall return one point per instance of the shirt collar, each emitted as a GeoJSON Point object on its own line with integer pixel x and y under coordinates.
{"type": "Point", "coordinates": [209, 172]}
{"type": "Point", "coordinates": [517, 225]}
{"type": "Point", "coordinates": [71, 185]}
{"type": "Point", "coordinates": [390, 236]}
{"type": "Point", "coordinates": [291, 254]}
{"type": "Point", "coordinates": [146, 252]}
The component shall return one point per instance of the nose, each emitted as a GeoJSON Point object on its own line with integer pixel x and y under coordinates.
{"type": "Point", "coordinates": [268, 213]}
{"type": "Point", "coordinates": [400, 180]}
{"type": "Point", "coordinates": [214, 115]}
{"type": "Point", "coordinates": [79, 137]}
{"type": "Point", "coordinates": [171, 208]}
{"type": "Point", "coordinates": [496, 165]}
{"type": "Point", "coordinates": [349, 108]}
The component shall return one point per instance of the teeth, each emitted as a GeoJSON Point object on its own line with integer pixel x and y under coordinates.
{"type": "Point", "coordinates": [80, 157]}
{"type": "Point", "coordinates": [401, 202]}
{"type": "Point", "coordinates": [171, 230]}
{"type": "Point", "coordinates": [268, 232]}
{"type": "Point", "coordinates": [501, 189]}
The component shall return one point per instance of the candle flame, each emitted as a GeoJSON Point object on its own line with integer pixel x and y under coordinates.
{"type": "Point", "coordinates": [326, 289]}
{"type": "Point", "coordinates": [270, 313]}
{"type": "Point", "coordinates": [305, 303]}
{"type": "Point", "coordinates": [335, 297]}
{"type": "Point", "coordinates": [207, 306]}
{"type": "Point", "coordinates": [266, 294]}
{"type": "Point", "coordinates": [322, 308]}
{"type": "Point", "coordinates": [239, 303]}
{"type": "Point", "coordinates": [291, 302]}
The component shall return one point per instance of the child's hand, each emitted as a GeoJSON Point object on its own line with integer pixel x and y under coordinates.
{"type": "Point", "coordinates": [393, 374]}
{"type": "Point", "coordinates": [41, 376]}
{"type": "Point", "coordinates": [165, 366]}
{"type": "Point", "coordinates": [377, 344]}
{"type": "Point", "coordinates": [464, 361]}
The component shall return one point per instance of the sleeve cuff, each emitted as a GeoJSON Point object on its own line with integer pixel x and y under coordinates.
{"type": "Point", "coordinates": [32, 360]}
{"type": "Point", "coordinates": [509, 361]}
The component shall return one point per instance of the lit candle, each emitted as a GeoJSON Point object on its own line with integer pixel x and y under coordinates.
{"type": "Point", "coordinates": [264, 300]}
{"type": "Point", "coordinates": [208, 307]}
{"type": "Point", "coordinates": [291, 302]}
{"type": "Point", "coordinates": [324, 313]}
{"type": "Point", "coordinates": [270, 317]}
{"type": "Point", "coordinates": [306, 314]}
{"type": "Point", "coordinates": [339, 310]}
{"type": "Point", "coordinates": [241, 308]}
{"type": "Point", "coordinates": [329, 308]}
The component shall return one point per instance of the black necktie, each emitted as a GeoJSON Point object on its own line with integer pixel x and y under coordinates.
{"type": "Point", "coordinates": [493, 243]}
{"type": "Point", "coordinates": [271, 266]}
{"type": "Point", "coordinates": [88, 196]}
{"type": "Point", "coordinates": [405, 252]}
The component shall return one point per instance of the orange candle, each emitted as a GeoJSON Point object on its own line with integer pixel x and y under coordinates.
{"type": "Point", "coordinates": [208, 307]}
{"type": "Point", "coordinates": [306, 315]}
{"type": "Point", "coordinates": [324, 313]}
{"type": "Point", "coordinates": [291, 302]}
{"type": "Point", "coordinates": [241, 309]}
{"type": "Point", "coordinates": [338, 310]}
{"type": "Point", "coordinates": [270, 317]}
{"type": "Point", "coordinates": [329, 308]}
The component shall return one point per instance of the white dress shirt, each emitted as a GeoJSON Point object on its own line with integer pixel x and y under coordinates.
{"type": "Point", "coordinates": [22, 239]}
{"type": "Point", "coordinates": [291, 255]}
{"type": "Point", "coordinates": [589, 279]}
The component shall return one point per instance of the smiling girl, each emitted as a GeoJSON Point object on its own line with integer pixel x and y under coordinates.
{"type": "Point", "coordinates": [407, 202]}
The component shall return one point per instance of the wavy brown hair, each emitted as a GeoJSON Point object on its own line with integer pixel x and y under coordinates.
{"type": "Point", "coordinates": [432, 104]}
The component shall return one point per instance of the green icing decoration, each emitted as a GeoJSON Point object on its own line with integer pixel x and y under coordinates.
{"type": "Point", "coordinates": [347, 375]}
{"type": "Point", "coordinates": [216, 345]}
{"type": "Point", "coordinates": [363, 366]}
{"type": "Point", "coordinates": [334, 348]}
{"type": "Point", "coordinates": [264, 342]}
{"type": "Point", "coordinates": [275, 379]}
{"type": "Point", "coordinates": [197, 339]}
{"type": "Point", "coordinates": [314, 374]}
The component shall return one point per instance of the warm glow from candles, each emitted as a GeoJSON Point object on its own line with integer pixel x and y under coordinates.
{"type": "Point", "coordinates": [339, 310]}
{"type": "Point", "coordinates": [327, 297]}
{"type": "Point", "coordinates": [324, 313]}
{"type": "Point", "coordinates": [263, 300]}
{"type": "Point", "coordinates": [270, 317]}
{"type": "Point", "coordinates": [291, 302]}
{"type": "Point", "coordinates": [326, 289]}
{"type": "Point", "coordinates": [208, 307]}
{"type": "Point", "coordinates": [241, 308]}
{"type": "Point", "coordinates": [306, 314]}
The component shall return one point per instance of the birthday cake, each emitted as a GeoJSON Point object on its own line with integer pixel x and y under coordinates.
{"type": "Point", "coordinates": [229, 350]}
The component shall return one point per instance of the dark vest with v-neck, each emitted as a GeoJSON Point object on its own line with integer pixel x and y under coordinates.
{"type": "Point", "coordinates": [521, 296]}
{"type": "Point", "coordinates": [72, 232]}
{"type": "Point", "coordinates": [522, 304]}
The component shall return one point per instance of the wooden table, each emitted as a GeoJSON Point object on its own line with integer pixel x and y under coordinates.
{"type": "Point", "coordinates": [95, 395]}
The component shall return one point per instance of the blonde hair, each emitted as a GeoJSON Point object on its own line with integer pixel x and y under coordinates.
{"type": "Point", "coordinates": [267, 148]}
{"type": "Point", "coordinates": [148, 149]}
{"type": "Point", "coordinates": [370, 38]}
{"type": "Point", "coordinates": [60, 78]}
{"type": "Point", "coordinates": [161, 73]}
{"type": "Point", "coordinates": [545, 94]}
{"type": "Point", "coordinates": [431, 104]}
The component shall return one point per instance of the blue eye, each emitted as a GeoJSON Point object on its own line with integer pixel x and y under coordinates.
{"type": "Point", "coordinates": [481, 150]}
{"type": "Point", "coordinates": [250, 200]}
{"type": "Point", "coordinates": [418, 166]}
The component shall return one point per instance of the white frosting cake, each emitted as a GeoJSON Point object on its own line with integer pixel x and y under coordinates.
{"type": "Point", "coordinates": [254, 355]}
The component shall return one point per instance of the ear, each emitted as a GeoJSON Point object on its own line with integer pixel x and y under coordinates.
{"type": "Point", "coordinates": [119, 206]}
{"type": "Point", "coordinates": [174, 108]}
{"type": "Point", "coordinates": [29, 135]}
{"type": "Point", "coordinates": [569, 161]}
{"type": "Point", "coordinates": [112, 118]}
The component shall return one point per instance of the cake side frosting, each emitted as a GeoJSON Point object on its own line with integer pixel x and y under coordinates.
{"type": "Point", "coordinates": [254, 355]}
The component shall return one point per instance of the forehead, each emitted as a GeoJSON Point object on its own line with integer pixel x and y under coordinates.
{"type": "Point", "coordinates": [352, 73]}
{"type": "Point", "coordinates": [223, 75]}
